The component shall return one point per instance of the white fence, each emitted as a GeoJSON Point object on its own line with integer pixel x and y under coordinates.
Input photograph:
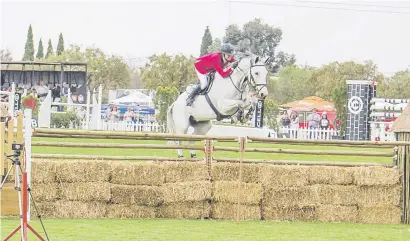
{"type": "Point", "coordinates": [306, 133]}
{"type": "Point", "coordinates": [124, 126]}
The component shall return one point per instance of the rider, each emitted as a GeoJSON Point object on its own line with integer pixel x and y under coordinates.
{"type": "Point", "coordinates": [207, 63]}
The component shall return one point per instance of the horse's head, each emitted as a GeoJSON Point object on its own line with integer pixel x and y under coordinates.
{"type": "Point", "coordinates": [257, 74]}
{"type": "Point", "coordinates": [258, 77]}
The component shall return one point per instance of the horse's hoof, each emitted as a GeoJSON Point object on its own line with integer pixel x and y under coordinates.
{"type": "Point", "coordinates": [179, 156]}
{"type": "Point", "coordinates": [193, 155]}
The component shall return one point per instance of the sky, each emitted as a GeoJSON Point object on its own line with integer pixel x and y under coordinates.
{"type": "Point", "coordinates": [317, 32]}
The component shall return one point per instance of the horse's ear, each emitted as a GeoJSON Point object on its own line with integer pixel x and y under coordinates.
{"type": "Point", "coordinates": [266, 60]}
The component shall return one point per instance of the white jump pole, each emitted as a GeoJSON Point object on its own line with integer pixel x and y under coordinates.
{"type": "Point", "coordinates": [28, 132]}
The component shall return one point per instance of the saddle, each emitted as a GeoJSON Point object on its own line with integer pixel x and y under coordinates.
{"type": "Point", "coordinates": [210, 76]}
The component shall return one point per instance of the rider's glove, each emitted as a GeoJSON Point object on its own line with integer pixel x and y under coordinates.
{"type": "Point", "coordinates": [235, 65]}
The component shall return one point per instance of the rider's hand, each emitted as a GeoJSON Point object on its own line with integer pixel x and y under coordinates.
{"type": "Point", "coordinates": [234, 65]}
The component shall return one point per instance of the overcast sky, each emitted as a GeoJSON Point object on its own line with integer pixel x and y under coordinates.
{"type": "Point", "coordinates": [315, 33]}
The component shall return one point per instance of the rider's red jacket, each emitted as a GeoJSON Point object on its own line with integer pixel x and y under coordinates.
{"type": "Point", "coordinates": [212, 61]}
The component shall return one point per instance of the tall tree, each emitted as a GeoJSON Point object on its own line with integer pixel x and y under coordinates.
{"type": "Point", "coordinates": [60, 45]}
{"type": "Point", "coordinates": [206, 41]}
{"type": "Point", "coordinates": [40, 50]}
{"type": "Point", "coordinates": [29, 47]}
{"type": "Point", "coordinates": [50, 51]}
{"type": "Point", "coordinates": [398, 86]}
{"type": "Point", "coordinates": [260, 39]}
{"type": "Point", "coordinates": [215, 46]}
{"type": "Point", "coordinates": [5, 55]}
{"type": "Point", "coordinates": [165, 70]}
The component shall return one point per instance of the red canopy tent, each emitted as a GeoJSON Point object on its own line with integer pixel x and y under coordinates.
{"type": "Point", "coordinates": [304, 108]}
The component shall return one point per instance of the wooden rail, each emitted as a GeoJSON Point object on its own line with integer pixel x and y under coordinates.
{"type": "Point", "coordinates": [114, 145]}
{"type": "Point", "coordinates": [118, 158]}
{"type": "Point", "coordinates": [329, 142]}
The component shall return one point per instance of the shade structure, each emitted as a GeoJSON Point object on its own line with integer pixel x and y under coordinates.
{"type": "Point", "coordinates": [136, 97]}
{"type": "Point", "coordinates": [310, 103]}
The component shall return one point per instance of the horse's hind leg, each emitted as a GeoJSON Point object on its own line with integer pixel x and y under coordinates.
{"type": "Point", "coordinates": [200, 128]}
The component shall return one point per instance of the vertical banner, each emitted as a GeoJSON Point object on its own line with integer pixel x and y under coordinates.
{"type": "Point", "coordinates": [17, 103]}
{"type": "Point", "coordinates": [359, 95]}
{"type": "Point", "coordinates": [259, 114]}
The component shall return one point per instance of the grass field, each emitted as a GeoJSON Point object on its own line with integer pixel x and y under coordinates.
{"type": "Point", "coordinates": [160, 229]}
{"type": "Point", "coordinates": [172, 153]}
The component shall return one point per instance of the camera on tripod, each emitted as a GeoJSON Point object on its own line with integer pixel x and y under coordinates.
{"type": "Point", "coordinates": [17, 147]}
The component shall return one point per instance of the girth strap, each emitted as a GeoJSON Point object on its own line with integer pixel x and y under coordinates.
{"type": "Point", "coordinates": [219, 116]}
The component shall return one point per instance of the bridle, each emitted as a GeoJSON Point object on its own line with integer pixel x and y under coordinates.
{"type": "Point", "coordinates": [244, 81]}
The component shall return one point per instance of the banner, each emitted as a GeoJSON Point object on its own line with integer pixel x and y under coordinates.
{"type": "Point", "coordinates": [259, 114]}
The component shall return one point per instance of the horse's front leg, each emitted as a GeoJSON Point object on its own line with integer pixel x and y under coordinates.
{"type": "Point", "coordinates": [230, 106]}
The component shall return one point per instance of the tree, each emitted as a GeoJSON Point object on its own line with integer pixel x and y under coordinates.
{"type": "Point", "coordinates": [164, 97]}
{"type": "Point", "coordinates": [50, 51]}
{"type": "Point", "coordinates": [40, 50]}
{"type": "Point", "coordinates": [215, 46]}
{"type": "Point", "coordinates": [109, 71]}
{"type": "Point", "coordinates": [260, 39]}
{"type": "Point", "coordinates": [5, 55]}
{"type": "Point", "coordinates": [292, 83]}
{"type": "Point", "coordinates": [271, 111]}
{"type": "Point", "coordinates": [165, 70]}
{"type": "Point", "coordinates": [398, 86]}
{"type": "Point", "coordinates": [29, 47]}
{"type": "Point", "coordinates": [206, 41]}
{"type": "Point", "coordinates": [60, 45]}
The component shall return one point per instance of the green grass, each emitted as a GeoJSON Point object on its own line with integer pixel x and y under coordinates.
{"type": "Point", "coordinates": [179, 230]}
{"type": "Point", "coordinates": [172, 153]}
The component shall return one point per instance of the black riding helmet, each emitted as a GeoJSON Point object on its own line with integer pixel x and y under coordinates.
{"type": "Point", "coordinates": [227, 48]}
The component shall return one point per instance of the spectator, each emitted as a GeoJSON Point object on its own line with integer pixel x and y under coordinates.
{"type": "Point", "coordinates": [324, 124]}
{"type": "Point", "coordinates": [313, 121]}
{"type": "Point", "coordinates": [114, 115]}
{"type": "Point", "coordinates": [294, 123]}
{"type": "Point", "coordinates": [285, 119]}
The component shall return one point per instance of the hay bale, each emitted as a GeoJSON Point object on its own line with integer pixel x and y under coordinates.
{"type": "Point", "coordinates": [130, 211]}
{"type": "Point", "coordinates": [376, 175]}
{"type": "Point", "coordinates": [283, 176]}
{"type": "Point", "coordinates": [330, 175]}
{"type": "Point", "coordinates": [43, 171]}
{"type": "Point", "coordinates": [230, 172]}
{"type": "Point", "coordinates": [140, 195]}
{"type": "Point", "coordinates": [337, 213]}
{"type": "Point", "coordinates": [186, 191]}
{"type": "Point", "coordinates": [335, 194]}
{"type": "Point", "coordinates": [137, 173]}
{"type": "Point", "coordinates": [227, 211]}
{"type": "Point", "coordinates": [185, 172]}
{"type": "Point", "coordinates": [379, 195]}
{"type": "Point", "coordinates": [83, 171]}
{"type": "Point", "coordinates": [289, 197]}
{"type": "Point", "coordinates": [383, 214]}
{"type": "Point", "coordinates": [190, 210]}
{"type": "Point", "coordinates": [304, 213]}
{"type": "Point", "coordinates": [45, 209]}
{"type": "Point", "coordinates": [227, 192]}
{"type": "Point", "coordinates": [44, 192]}
{"type": "Point", "coordinates": [76, 209]}
{"type": "Point", "coordinates": [86, 191]}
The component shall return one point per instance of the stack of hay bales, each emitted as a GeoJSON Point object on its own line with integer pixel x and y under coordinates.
{"type": "Point", "coordinates": [99, 189]}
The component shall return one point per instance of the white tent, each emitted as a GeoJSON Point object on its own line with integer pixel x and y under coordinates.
{"type": "Point", "coordinates": [134, 98]}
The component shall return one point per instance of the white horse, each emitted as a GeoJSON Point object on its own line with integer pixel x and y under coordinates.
{"type": "Point", "coordinates": [225, 97]}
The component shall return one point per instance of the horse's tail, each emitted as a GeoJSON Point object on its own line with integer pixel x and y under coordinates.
{"type": "Point", "coordinates": [170, 120]}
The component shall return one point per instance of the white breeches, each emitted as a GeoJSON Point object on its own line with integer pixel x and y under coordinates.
{"type": "Point", "coordinates": [203, 80]}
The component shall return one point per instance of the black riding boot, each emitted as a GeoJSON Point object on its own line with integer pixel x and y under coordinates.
{"type": "Point", "coordinates": [191, 96]}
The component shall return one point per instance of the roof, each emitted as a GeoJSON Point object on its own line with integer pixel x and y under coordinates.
{"type": "Point", "coordinates": [402, 123]}
{"type": "Point", "coordinates": [310, 103]}
{"type": "Point", "coordinates": [43, 63]}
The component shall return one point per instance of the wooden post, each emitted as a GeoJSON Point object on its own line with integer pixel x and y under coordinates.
{"type": "Point", "coordinates": [3, 164]}
{"type": "Point", "coordinates": [208, 157]}
{"type": "Point", "coordinates": [10, 141]}
{"type": "Point", "coordinates": [20, 128]}
{"type": "Point", "coordinates": [242, 142]}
